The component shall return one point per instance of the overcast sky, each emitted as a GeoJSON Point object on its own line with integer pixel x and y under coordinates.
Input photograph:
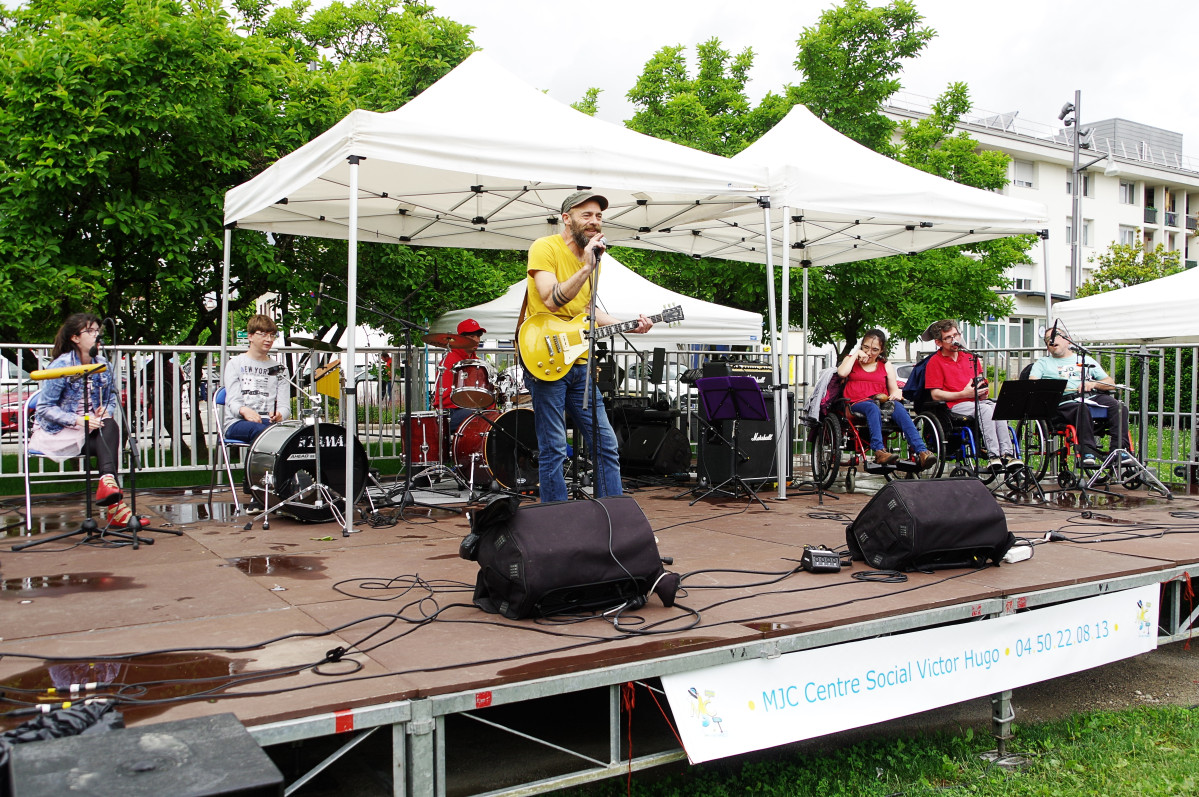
{"type": "Point", "coordinates": [1135, 60]}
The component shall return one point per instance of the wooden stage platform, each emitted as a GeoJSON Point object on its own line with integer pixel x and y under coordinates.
{"type": "Point", "coordinates": [226, 620]}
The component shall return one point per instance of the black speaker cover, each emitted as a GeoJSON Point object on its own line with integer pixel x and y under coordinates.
{"type": "Point", "coordinates": [569, 556]}
{"type": "Point", "coordinates": [930, 525]}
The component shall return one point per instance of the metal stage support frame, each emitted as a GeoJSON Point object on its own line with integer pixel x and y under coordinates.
{"type": "Point", "coordinates": [419, 738]}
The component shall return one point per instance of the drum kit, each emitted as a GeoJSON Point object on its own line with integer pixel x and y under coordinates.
{"type": "Point", "coordinates": [495, 448]}
{"type": "Point", "coordinates": [298, 468]}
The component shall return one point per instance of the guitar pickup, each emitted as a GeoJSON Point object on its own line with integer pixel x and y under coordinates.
{"type": "Point", "coordinates": [562, 339]}
{"type": "Point", "coordinates": [549, 344]}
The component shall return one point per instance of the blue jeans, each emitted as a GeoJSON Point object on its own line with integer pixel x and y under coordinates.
{"type": "Point", "coordinates": [245, 431]}
{"type": "Point", "coordinates": [874, 422]}
{"type": "Point", "coordinates": [552, 401]}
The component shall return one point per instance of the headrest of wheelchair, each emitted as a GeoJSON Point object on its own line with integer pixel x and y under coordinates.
{"type": "Point", "coordinates": [928, 333]}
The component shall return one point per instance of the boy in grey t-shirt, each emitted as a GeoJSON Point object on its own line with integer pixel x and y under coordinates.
{"type": "Point", "coordinates": [256, 394]}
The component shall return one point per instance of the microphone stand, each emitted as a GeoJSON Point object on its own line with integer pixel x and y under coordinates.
{"type": "Point", "coordinates": [1119, 456]}
{"type": "Point", "coordinates": [133, 524]}
{"type": "Point", "coordinates": [410, 328]}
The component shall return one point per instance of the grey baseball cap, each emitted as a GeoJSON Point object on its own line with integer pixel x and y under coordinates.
{"type": "Point", "coordinates": [579, 197]}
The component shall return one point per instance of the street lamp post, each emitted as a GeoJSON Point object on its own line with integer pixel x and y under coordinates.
{"type": "Point", "coordinates": [1070, 117]}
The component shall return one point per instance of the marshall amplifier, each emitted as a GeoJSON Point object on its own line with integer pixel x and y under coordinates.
{"type": "Point", "coordinates": [754, 438]}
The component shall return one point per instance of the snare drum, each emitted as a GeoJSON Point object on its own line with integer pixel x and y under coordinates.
{"type": "Point", "coordinates": [423, 436]}
{"type": "Point", "coordinates": [472, 385]}
{"type": "Point", "coordinates": [498, 446]}
{"type": "Point", "coordinates": [285, 454]}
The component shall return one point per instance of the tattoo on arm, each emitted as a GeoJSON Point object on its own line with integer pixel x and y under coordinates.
{"type": "Point", "coordinates": [558, 296]}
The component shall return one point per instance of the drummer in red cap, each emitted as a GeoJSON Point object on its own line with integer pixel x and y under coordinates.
{"type": "Point", "coordinates": [467, 349]}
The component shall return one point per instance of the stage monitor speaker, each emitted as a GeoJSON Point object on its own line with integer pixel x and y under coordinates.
{"type": "Point", "coordinates": [564, 557]}
{"type": "Point", "coordinates": [197, 757]}
{"type": "Point", "coordinates": [654, 448]}
{"type": "Point", "coordinates": [930, 524]}
{"type": "Point", "coordinates": [754, 438]}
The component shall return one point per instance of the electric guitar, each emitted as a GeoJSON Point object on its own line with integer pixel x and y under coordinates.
{"type": "Point", "coordinates": [549, 346]}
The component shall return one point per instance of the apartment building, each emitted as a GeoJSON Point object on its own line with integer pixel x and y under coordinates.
{"type": "Point", "coordinates": [1140, 190]}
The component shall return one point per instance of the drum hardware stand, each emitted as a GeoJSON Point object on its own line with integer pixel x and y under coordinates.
{"type": "Point", "coordinates": [90, 530]}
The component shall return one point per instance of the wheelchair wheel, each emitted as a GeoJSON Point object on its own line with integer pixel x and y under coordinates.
{"type": "Point", "coordinates": [1067, 479]}
{"type": "Point", "coordinates": [1032, 437]}
{"type": "Point", "coordinates": [826, 452]}
{"type": "Point", "coordinates": [934, 437]}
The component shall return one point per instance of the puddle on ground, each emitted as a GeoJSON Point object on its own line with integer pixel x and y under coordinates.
{"type": "Point", "coordinates": [300, 567]}
{"type": "Point", "coordinates": [146, 678]}
{"type": "Point", "coordinates": [48, 523]}
{"type": "Point", "coordinates": [64, 584]}
{"type": "Point", "coordinates": [179, 514]}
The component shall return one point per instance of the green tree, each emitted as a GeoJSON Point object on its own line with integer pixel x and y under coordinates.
{"type": "Point", "coordinates": [850, 61]}
{"type": "Point", "coordinates": [123, 124]}
{"type": "Point", "coordinates": [1123, 265]}
{"type": "Point", "coordinates": [710, 111]}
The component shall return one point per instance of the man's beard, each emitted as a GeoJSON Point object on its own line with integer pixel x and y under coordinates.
{"type": "Point", "coordinates": [581, 236]}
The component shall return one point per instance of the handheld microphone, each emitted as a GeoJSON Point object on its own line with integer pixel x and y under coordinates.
{"type": "Point", "coordinates": [600, 248]}
{"type": "Point", "coordinates": [1053, 333]}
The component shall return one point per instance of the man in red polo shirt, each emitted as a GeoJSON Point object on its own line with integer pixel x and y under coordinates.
{"type": "Point", "coordinates": [954, 376]}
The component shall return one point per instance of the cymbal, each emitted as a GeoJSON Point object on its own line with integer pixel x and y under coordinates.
{"type": "Point", "coordinates": [314, 344]}
{"type": "Point", "coordinates": [447, 340]}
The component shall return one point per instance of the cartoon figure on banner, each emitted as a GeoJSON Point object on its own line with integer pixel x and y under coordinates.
{"type": "Point", "coordinates": [1144, 626]}
{"type": "Point", "coordinates": [703, 709]}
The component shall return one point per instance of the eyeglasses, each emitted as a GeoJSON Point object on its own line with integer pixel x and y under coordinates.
{"type": "Point", "coordinates": [264, 333]}
{"type": "Point", "coordinates": [90, 331]}
{"type": "Point", "coordinates": [871, 349]}
{"type": "Point", "coordinates": [950, 336]}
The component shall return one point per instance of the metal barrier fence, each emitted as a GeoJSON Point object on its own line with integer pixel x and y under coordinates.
{"type": "Point", "coordinates": [165, 392]}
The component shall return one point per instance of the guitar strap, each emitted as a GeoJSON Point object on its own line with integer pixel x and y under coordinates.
{"type": "Point", "coordinates": [520, 320]}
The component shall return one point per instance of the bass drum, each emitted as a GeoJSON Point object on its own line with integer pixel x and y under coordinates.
{"type": "Point", "coordinates": [499, 447]}
{"type": "Point", "coordinates": [285, 452]}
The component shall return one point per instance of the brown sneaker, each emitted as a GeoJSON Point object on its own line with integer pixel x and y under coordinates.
{"type": "Point", "coordinates": [882, 457]}
{"type": "Point", "coordinates": [926, 459]}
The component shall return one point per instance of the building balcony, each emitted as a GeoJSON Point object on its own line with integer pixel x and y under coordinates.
{"type": "Point", "coordinates": [1151, 215]}
{"type": "Point", "coordinates": [1192, 223]}
{"type": "Point", "coordinates": [1171, 218]}
{"type": "Point", "coordinates": [1191, 264]}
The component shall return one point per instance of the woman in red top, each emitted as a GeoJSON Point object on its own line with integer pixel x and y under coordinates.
{"type": "Point", "coordinates": [868, 375]}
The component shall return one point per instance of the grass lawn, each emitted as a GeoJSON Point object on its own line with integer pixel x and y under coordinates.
{"type": "Point", "coordinates": [1145, 752]}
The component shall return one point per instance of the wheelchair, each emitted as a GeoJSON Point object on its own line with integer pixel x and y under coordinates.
{"type": "Point", "coordinates": [957, 440]}
{"type": "Point", "coordinates": [842, 438]}
{"type": "Point", "coordinates": [1057, 444]}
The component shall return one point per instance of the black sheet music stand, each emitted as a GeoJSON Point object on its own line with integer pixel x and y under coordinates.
{"type": "Point", "coordinates": [1028, 400]}
{"type": "Point", "coordinates": [732, 398]}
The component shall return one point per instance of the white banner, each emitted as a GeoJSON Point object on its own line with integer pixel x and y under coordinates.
{"type": "Point", "coordinates": [759, 703]}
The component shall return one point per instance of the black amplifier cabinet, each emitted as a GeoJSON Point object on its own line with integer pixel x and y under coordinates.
{"type": "Point", "coordinates": [755, 438]}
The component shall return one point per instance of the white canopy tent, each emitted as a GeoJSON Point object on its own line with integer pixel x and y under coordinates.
{"type": "Point", "coordinates": [841, 202]}
{"type": "Point", "coordinates": [481, 160]}
{"type": "Point", "coordinates": [477, 160]}
{"type": "Point", "coordinates": [625, 294]}
{"type": "Point", "coordinates": [1159, 311]}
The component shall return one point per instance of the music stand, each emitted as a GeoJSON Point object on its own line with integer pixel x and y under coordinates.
{"type": "Point", "coordinates": [732, 398]}
{"type": "Point", "coordinates": [1028, 400]}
